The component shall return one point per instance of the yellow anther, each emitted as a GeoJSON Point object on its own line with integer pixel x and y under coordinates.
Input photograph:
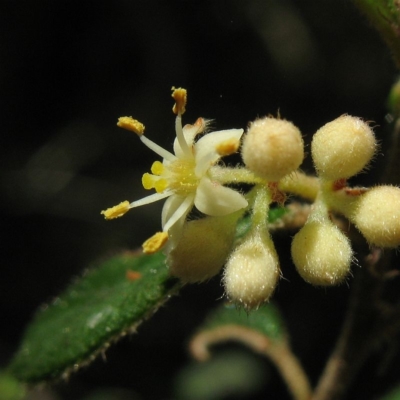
{"type": "Point", "coordinates": [148, 181]}
{"type": "Point", "coordinates": [180, 97]}
{"type": "Point", "coordinates": [116, 211]}
{"type": "Point", "coordinates": [155, 243]}
{"type": "Point", "coordinates": [157, 168]}
{"type": "Point", "coordinates": [228, 147]}
{"type": "Point", "coordinates": [160, 185]}
{"type": "Point", "coordinates": [131, 125]}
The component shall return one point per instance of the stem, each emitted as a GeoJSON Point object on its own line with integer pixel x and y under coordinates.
{"type": "Point", "coordinates": [262, 200]}
{"type": "Point", "coordinates": [226, 175]}
{"type": "Point", "coordinates": [278, 352]}
{"type": "Point", "coordinates": [319, 210]}
{"type": "Point", "coordinates": [362, 330]}
{"type": "Point", "coordinates": [291, 371]}
{"type": "Point", "coordinates": [300, 184]}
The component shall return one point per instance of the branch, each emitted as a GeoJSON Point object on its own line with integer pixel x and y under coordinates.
{"type": "Point", "coordinates": [367, 323]}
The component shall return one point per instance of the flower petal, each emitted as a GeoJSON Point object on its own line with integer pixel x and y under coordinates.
{"type": "Point", "coordinates": [180, 213]}
{"type": "Point", "coordinates": [173, 218]}
{"type": "Point", "coordinates": [217, 200]}
{"type": "Point", "coordinates": [170, 206]}
{"type": "Point", "coordinates": [205, 149]}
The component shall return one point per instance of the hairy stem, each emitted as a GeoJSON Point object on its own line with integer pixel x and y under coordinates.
{"type": "Point", "coordinates": [300, 184]}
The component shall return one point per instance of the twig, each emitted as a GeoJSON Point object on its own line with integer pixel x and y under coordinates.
{"type": "Point", "coordinates": [363, 329]}
{"type": "Point", "coordinates": [278, 352]}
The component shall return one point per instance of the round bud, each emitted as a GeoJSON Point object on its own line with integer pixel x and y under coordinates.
{"type": "Point", "coordinates": [343, 147]}
{"type": "Point", "coordinates": [377, 215]}
{"type": "Point", "coordinates": [252, 272]}
{"type": "Point", "coordinates": [272, 148]}
{"type": "Point", "coordinates": [321, 253]}
{"type": "Point", "coordinates": [203, 248]}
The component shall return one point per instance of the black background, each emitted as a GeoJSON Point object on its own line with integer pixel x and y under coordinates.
{"type": "Point", "coordinates": [69, 69]}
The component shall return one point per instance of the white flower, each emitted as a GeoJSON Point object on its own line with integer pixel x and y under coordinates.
{"type": "Point", "coordinates": [184, 176]}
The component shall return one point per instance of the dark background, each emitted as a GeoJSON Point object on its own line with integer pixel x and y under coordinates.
{"type": "Point", "coordinates": [69, 69]}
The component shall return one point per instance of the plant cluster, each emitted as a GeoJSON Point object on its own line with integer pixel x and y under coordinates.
{"type": "Point", "coordinates": [272, 151]}
{"type": "Point", "coordinates": [218, 215]}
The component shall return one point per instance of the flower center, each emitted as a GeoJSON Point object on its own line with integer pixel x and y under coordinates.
{"type": "Point", "coordinates": [177, 176]}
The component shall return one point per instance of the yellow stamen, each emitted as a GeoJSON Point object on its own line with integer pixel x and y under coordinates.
{"type": "Point", "coordinates": [116, 211]}
{"type": "Point", "coordinates": [228, 147]}
{"type": "Point", "coordinates": [155, 243]}
{"type": "Point", "coordinates": [157, 168]}
{"type": "Point", "coordinates": [180, 97]}
{"type": "Point", "coordinates": [151, 181]}
{"type": "Point", "coordinates": [160, 185]}
{"type": "Point", "coordinates": [131, 125]}
{"type": "Point", "coordinates": [148, 181]}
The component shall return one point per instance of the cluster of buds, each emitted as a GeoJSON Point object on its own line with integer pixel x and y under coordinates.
{"type": "Point", "coordinates": [272, 150]}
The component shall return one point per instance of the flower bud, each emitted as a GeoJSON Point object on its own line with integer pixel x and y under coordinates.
{"type": "Point", "coordinates": [322, 253]}
{"type": "Point", "coordinates": [343, 147]}
{"type": "Point", "coordinates": [252, 271]}
{"type": "Point", "coordinates": [272, 148]}
{"type": "Point", "coordinates": [203, 248]}
{"type": "Point", "coordinates": [377, 215]}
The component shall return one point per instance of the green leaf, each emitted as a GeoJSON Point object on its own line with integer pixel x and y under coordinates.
{"type": "Point", "coordinates": [266, 320]}
{"type": "Point", "coordinates": [106, 303]}
{"type": "Point", "coordinates": [385, 16]}
{"type": "Point", "coordinates": [244, 224]}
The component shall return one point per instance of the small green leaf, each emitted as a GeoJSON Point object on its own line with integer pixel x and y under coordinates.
{"type": "Point", "coordinates": [266, 320]}
{"type": "Point", "coordinates": [276, 213]}
{"type": "Point", "coordinates": [244, 224]}
{"type": "Point", "coordinates": [103, 305]}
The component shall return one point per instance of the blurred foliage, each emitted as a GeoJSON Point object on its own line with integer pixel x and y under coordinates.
{"type": "Point", "coordinates": [394, 100]}
{"type": "Point", "coordinates": [266, 320]}
{"type": "Point", "coordinates": [228, 373]}
{"type": "Point", "coordinates": [394, 394]}
{"type": "Point", "coordinates": [385, 17]}
{"type": "Point", "coordinates": [10, 388]}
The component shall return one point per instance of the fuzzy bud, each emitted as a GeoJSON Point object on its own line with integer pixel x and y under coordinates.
{"type": "Point", "coordinates": [343, 147]}
{"type": "Point", "coordinates": [203, 248]}
{"type": "Point", "coordinates": [377, 215]}
{"type": "Point", "coordinates": [252, 271]}
{"type": "Point", "coordinates": [272, 148]}
{"type": "Point", "coordinates": [322, 253]}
